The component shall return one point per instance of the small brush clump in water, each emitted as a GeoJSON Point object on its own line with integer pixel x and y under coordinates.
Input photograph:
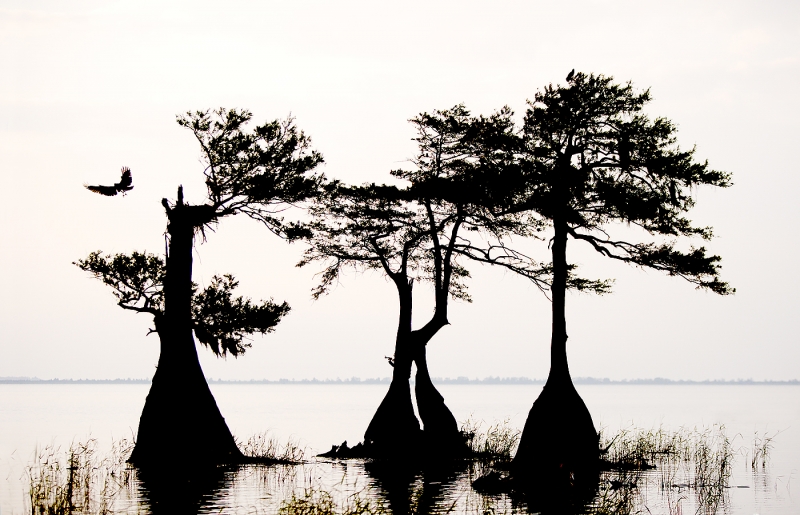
{"type": "Point", "coordinates": [265, 446]}
{"type": "Point", "coordinates": [498, 442]}
{"type": "Point", "coordinates": [79, 481]}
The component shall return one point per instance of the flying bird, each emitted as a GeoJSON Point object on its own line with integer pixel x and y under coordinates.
{"type": "Point", "coordinates": [570, 75]}
{"type": "Point", "coordinates": [124, 185]}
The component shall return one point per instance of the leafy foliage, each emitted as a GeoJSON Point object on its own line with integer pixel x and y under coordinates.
{"type": "Point", "coordinates": [368, 227]}
{"type": "Point", "coordinates": [254, 172]}
{"type": "Point", "coordinates": [420, 231]}
{"type": "Point", "coordinates": [221, 321]}
{"type": "Point", "coordinates": [593, 158]}
{"type": "Point", "coordinates": [136, 279]}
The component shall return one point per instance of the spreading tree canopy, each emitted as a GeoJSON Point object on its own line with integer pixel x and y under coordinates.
{"type": "Point", "coordinates": [220, 321]}
{"type": "Point", "coordinates": [596, 159]}
{"type": "Point", "coordinates": [257, 173]}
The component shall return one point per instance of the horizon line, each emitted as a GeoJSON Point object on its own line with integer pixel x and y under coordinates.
{"type": "Point", "coordinates": [491, 380]}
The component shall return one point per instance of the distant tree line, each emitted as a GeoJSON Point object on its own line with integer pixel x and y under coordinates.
{"type": "Point", "coordinates": [437, 380]}
{"type": "Point", "coordinates": [586, 165]}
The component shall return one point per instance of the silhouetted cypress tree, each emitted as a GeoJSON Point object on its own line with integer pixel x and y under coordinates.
{"type": "Point", "coordinates": [419, 232]}
{"type": "Point", "coordinates": [256, 173]}
{"type": "Point", "coordinates": [590, 159]}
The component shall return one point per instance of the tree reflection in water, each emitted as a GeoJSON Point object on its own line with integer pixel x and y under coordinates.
{"type": "Point", "coordinates": [177, 489]}
{"type": "Point", "coordinates": [426, 489]}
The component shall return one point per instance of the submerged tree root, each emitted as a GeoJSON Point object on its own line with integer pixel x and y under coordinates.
{"type": "Point", "coordinates": [495, 444]}
{"type": "Point", "coordinates": [343, 452]}
{"type": "Point", "coordinates": [412, 452]}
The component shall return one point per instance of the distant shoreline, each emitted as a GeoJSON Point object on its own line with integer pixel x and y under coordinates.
{"type": "Point", "coordinates": [436, 380]}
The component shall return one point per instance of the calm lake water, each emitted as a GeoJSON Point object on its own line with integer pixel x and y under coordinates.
{"type": "Point", "coordinates": [316, 416]}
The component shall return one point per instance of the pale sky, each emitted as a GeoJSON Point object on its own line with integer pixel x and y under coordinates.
{"type": "Point", "coordinates": [89, 86]}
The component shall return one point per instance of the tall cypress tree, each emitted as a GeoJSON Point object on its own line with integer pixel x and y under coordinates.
{"type": "Point", "coordinates": [423, 231]}
{"type": "Point", "coordinates": [257, 173]}
{"type": "Point", "coordinates": [590, 159]}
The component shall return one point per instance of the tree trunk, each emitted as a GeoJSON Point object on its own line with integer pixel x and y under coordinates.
{"type": "Point", "coordinates": [440, 428]}
{"type": "Point", "coordinates": [180, 419]}
{"type": "Point", "coordinates": [559, 443]}
{"type": "Point", "coordinates": [441, 431]}
{"type": "Point", "coordinates": [394, 429]}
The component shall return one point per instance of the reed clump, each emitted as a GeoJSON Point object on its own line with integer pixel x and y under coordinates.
{"type": "Point", "coordinates": [696, 460]}
{"type": "Point", "coordinates": [762, 447]}
{"type": "Point", "coordinates": [497, 442]}
{"type": "Point", "coordinates": [634, 449]}
{"type": "Point", "coordinates": [78, 480]}
{"type": "Point", "coordinates": [264, 446]}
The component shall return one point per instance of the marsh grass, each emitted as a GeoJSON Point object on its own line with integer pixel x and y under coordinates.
{"type": "Point", "coordinates": [83, 480]}
{"type": "Point", "coordinates": [655, 471]}
{"type": "Point", "coordinates": [497, 442]}
{"type": "Point", "coordinates": [267, 447]}
{"type": "Point", "coordinates": [79, 480]}
{"type": "Point", "coordinates": [696, 461]}
{"type": "Point", "coordinates": [762, 447]}
{"type": "Point", "coordinates": [315, 501]}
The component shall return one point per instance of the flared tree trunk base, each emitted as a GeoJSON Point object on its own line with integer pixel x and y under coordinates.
{"type": "Point", "coordinates": [181, 422]}
{"type": "Point", "coordinates": [559, 446]}
{"type": "Point", "coordinates": [442, 437]}
{"type": "Point", "coordinates": [394, 431]}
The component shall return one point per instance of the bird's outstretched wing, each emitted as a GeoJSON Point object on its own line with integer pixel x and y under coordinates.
{"type": "Point", "coordinates": [126, 181]}
{"type": "Point", "coordinates": [103, 190]}
{"type": "Point", "coordinates": [125, 184]}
